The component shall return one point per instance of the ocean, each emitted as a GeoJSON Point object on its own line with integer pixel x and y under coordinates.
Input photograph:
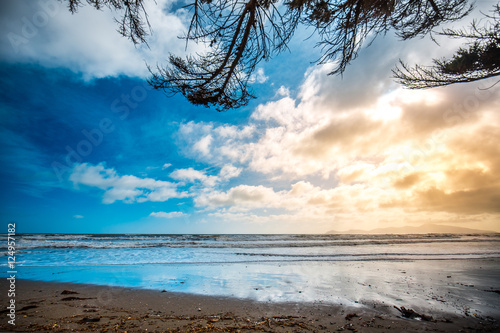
{"type": "Point", "coordinates": [431, 270]}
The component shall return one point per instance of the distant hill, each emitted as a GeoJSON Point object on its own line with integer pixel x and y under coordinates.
{"type": "Point", "coordinates": [423, 229]}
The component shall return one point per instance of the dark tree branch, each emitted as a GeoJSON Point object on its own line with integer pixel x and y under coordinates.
{"type": "Point", "coordinates": [239, 34]}
{"type": "Point", "coordinates": [479, 60]}
{"type": "Point", "coordinates": [239, 37]}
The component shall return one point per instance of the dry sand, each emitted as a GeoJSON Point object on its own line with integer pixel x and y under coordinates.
{"type": "Point", "coordinates": [65, 307]}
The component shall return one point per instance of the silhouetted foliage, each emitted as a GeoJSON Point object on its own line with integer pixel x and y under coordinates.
{"type": "Point", "coordinates": [343, 26]}
{"type": "Point", "coordinates": [480, 59]}
{"type": "Point", "coordinates": [239, 34]}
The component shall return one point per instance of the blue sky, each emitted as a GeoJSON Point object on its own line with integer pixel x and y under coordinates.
{"type": "Point", "coordinates": [87, 146]}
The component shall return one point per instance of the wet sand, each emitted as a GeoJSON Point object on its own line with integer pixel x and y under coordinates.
{"type": "Point", "coordinates": [67, 307]}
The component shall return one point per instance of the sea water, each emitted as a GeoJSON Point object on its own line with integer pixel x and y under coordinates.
{"type": "Point", "coordinates": [445, 272]}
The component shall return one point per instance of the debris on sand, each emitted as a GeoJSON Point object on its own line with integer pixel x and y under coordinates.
{"type": "Point", "coordinates": [496, 291]}
{"type": "Point", "coordinates": [89, 310]}
{"type": "Point", "coordinates": [72, 298]}
{"type": "Point", "coordinates": [90, 320]}
{"type": "Point", "coordinates": [28, 307]}
{"type": "Point", "coordinates": [411, 314]}
{"type": "Point", "coordinates": [350, 316]}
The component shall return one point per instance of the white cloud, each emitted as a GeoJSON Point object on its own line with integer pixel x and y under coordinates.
{"type": "Point", "coordinates": [301, 197]}
{"type": "Point", "coordinates": [123, 188]}
{"type": "Point", "coordinates": [166, 165]}
{"type": "Point", "coordinates": [46, 33]}
{"type": "Point", "coordinates": [203, 146]}
{"type": "Point", "coordinates": [283, 91]}
{"type": "Point", "coordinates": [166, 215]}
{"type": "Point", "coordinates": [244, 195]}
{"type": "Point", "coordinates": [191, 175]}
{"type": "Point", "coordinates": [229, 171]}
{"type": "Point", "coordinates": [226, 141]}
{"type": "Point", "coordinates": [259, 76]}
{"type": "Point", "coordinates": [78, 216]}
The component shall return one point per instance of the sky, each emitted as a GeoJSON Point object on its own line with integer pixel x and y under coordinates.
{"type": "Point", "coordinates": [88, 147]}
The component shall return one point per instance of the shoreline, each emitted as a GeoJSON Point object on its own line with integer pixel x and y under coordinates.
{"type": "Point", "coordinates": [461, 287]}
{"type": "Point", "coordinates": [65, 307]}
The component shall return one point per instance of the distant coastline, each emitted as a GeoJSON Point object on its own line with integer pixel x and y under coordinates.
{"type": "Point", "coordinates": [422, 229]}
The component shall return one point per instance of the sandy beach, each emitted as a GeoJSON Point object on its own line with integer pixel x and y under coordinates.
{"type": "Point", "coordinates": [65, 307]}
